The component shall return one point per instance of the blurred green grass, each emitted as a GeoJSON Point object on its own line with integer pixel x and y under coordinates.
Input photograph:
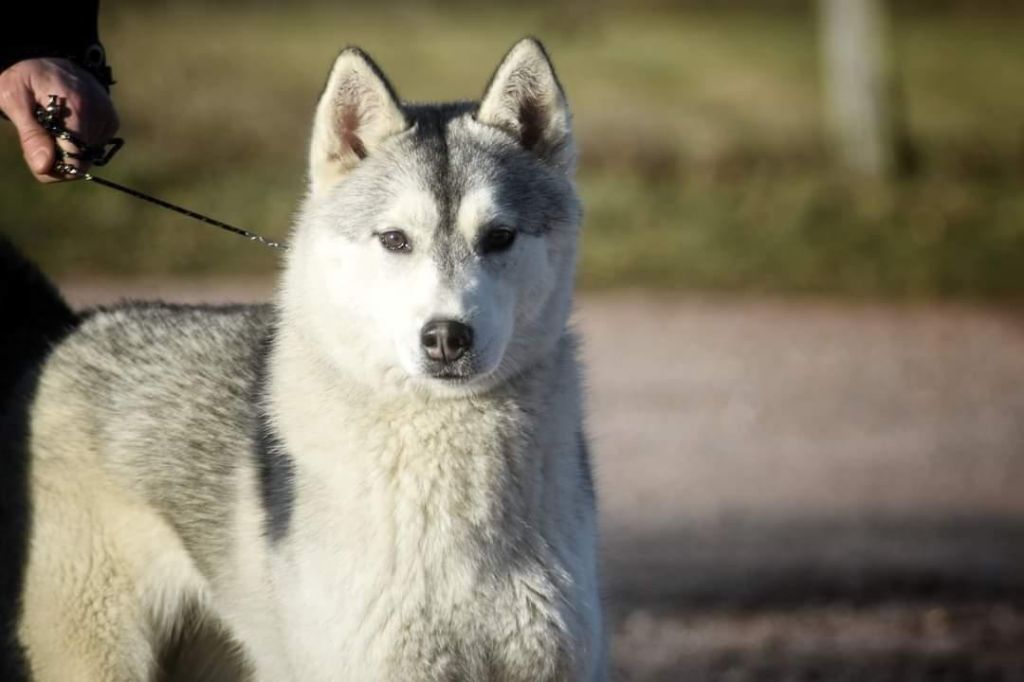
{"type": "Point", "coordinates": [704, 163]}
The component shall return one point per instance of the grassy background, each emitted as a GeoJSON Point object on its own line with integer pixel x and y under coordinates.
{"type": "Point", "coordinates": [704, 160]}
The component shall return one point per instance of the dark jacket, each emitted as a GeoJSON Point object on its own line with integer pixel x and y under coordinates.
{"type": "Point", "coordinates": [55, 28]}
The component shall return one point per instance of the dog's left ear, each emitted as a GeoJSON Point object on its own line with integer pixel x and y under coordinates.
{"type": "Point", "coordinates": [524, 98]}
{"type": "Point", "coordinates": [358, 110]}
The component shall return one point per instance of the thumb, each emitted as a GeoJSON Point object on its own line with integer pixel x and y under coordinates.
{"type": "Point", "coordinates": [37, 146]}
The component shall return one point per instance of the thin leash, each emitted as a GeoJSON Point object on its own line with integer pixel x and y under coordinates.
{"type": "Point", "coordinates": [51, 117]}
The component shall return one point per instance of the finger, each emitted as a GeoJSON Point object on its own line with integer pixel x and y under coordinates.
{"type": "Point", "coordinates": [80, 122]}
{"type": "Point", "coordinates": [91, 114]}
{"type": "Point", "coordinates": [69, 147]}
{"type": "Point", "coordinates": [83, 127]}
{"type": "Point", "coordinates": [36, 143]}
{"type": "Point", "coordinates": [79, 119]}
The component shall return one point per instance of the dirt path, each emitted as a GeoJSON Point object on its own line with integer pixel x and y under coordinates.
{"type": "Point", "coordinates": [793, 490]}
{"type": "Point", "coordinates": [898, 426]}
{"type": "Point", "coordinates": [810, 492]}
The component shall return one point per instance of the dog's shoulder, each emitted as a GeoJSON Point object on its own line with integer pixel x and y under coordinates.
{"type": "Point", "coordinates": [159, 370]}
{"type": "Point", "coordinates": [164, 394]}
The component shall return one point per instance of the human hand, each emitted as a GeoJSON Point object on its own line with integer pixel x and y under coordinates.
{"type": "Point", "coordinates": [29, 84]}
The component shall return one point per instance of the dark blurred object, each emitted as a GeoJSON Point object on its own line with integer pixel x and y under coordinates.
{"type": "Point", "coordinates": [59, 28]}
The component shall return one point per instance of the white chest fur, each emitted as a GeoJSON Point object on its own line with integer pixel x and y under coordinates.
{"type": "Point", "coordinates": [439, 539]}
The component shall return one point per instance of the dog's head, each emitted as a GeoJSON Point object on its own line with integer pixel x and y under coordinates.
{"type": "Point", "coordinates": [437, 244]}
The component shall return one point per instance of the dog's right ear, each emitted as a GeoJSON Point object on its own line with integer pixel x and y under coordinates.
{"type": "Point", "coordinates": [357, 111]}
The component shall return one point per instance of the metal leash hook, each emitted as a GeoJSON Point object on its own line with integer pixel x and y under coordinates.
{"type": "Point", "coordinates": [51, 117]}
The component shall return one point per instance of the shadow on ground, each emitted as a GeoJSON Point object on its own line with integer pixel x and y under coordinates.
{"type": "Point", "coordinates": [876, 599]}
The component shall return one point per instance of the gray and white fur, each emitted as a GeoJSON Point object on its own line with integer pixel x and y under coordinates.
{"type": "Point", "coordinates": [382, 476]}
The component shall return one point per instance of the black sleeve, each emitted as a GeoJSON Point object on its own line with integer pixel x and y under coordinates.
{"type": "Point", "coordinates": [54, 28]}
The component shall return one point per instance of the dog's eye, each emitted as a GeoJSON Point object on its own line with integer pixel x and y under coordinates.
{"type": "Point", "coordinates": [497, 239]}
{"type": "Point", "coordinates": [394, 240]}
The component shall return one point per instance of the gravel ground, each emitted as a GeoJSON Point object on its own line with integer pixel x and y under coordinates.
{"type": "Point", "coordinates": [796, 490]}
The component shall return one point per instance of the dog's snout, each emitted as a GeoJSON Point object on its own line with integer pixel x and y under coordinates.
{"type": "Point", "coordinates": [446, 340]}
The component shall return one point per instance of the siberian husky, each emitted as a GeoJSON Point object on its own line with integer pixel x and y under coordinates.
{"type": "Point", "coordinates": [381, 476]}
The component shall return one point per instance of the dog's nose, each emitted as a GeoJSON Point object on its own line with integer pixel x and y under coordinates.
{"type": "Point", "coordinates": [446, 340]}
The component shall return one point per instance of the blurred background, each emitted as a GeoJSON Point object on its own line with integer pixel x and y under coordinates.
{"type": "Point", "coordinates": [807, 214]}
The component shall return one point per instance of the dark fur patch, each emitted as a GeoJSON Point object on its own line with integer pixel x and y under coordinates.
{"type": "Point", "coordinates": [432, 139]}
{"type": "Point", "coordinates": [585, 465]}
{"type": "Point", "coordinates": [201, 650]}
{"type": "Point", "coordinates": [274, 465]}
{"type": "Point", "coordinates": [431, 123]}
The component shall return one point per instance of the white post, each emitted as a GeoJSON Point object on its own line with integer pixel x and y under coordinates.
{"type": "Point", "coordinates": [859, 85]}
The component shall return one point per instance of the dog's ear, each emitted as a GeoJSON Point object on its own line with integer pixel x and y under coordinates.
{"type": "Point", "coordinates": [357, 111]}
{"type": "Point", "coordinates": [524, 98]}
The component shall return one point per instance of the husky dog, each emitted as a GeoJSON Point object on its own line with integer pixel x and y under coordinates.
{"type": "Point", "coordinates": [382, 476]}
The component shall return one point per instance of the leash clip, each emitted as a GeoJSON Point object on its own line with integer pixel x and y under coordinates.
{"type": "Point", "coordinates": [51, 117]}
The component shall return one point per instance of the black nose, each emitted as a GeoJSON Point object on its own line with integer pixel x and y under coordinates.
{"type": "Point", "coordinates": [446, 340]}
